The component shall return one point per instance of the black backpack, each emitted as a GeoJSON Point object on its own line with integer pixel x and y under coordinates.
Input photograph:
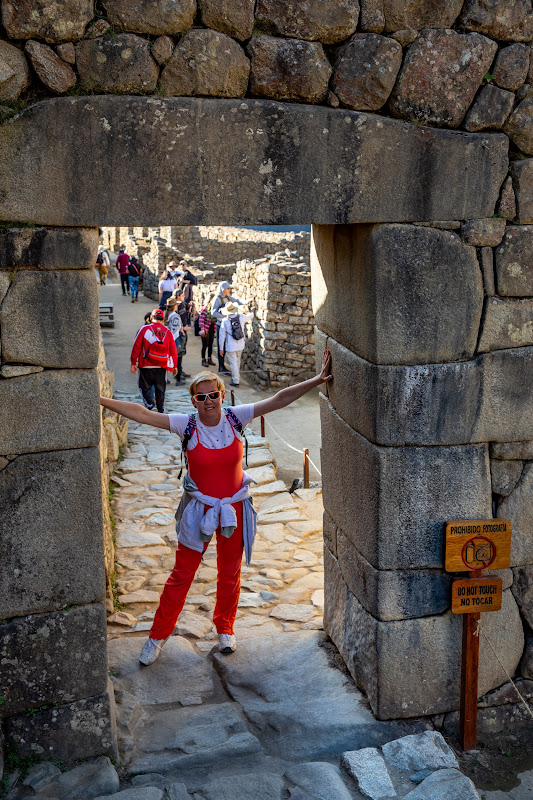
{"type": "Point", "coordinates": [236, 327]}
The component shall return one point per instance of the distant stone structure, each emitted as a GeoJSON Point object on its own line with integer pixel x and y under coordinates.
{"type": "Point", "coordinates": [416, 174]}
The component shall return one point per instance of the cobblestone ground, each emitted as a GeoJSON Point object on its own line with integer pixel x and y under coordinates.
{"type": "Point", "coordinates": [282, 589]}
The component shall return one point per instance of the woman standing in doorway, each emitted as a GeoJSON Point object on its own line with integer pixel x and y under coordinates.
{"type": "Point", "coordinates": [215, 497]}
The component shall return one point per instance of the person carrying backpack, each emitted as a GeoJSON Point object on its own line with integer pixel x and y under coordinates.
{"type": "Point", "coordinates": [134, 270]}
{"type": "Point", "coordinates": [216, 501]}
{"type": "Point", "coordinates": [231, 340]}
{"type": "Point", "coordinates": [153, 354]}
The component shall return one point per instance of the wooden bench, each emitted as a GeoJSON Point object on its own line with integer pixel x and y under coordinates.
{"type": "Point", "coordinates": [107, 316]}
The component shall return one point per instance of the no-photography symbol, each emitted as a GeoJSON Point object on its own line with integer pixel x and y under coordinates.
{"type": "Point", "coordinates": [478, 553]}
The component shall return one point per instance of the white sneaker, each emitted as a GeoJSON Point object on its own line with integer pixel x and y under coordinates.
{"type": "Point", "coordinates": [151, 650]}
{"type": "Point", "coordinates": [227, 643]}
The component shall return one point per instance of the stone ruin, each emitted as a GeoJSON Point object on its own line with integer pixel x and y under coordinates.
{"type": "Point", "coordinates": [403, 132]}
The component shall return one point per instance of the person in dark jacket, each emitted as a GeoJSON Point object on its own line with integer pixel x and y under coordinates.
{"type": "Point", "coordinates": [134, 270]}
{"type": "Point", "coordinates": [123, 261]}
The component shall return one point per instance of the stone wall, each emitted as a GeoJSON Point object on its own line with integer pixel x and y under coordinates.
{"type": "Point", "coordinates": [432, 328]}
{"type": "Point", "coordinates": [219, 247]}
{"type": "Point", "coordinates": [53, 585]}
{"type": "Point", "coordinates": [113, 436]}
{"type": "Point", "coordinates": [279, 348]}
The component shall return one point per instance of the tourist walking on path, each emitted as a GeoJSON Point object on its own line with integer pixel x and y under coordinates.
{"type": "Point", "coordinates": [167, 284]}
{"type": "Point", "coordinates": [178, 330]}
{"type": "Point", "coordinates": [222, 297]}
{"type": "Point", "coordinates": [123, 261]}
{"type": "Point", "coordinates": [232, 339]}
{"type": "Point", "coordinates": [215, 497]}
{"type": "Point", "coordinates": [206, 329]}
{"type": "Point", "coordinates": [135, 276]}
{"type": "Point", "coordinates": [103, 263]}
{"type": "Point", "coordinates": [153, 354]}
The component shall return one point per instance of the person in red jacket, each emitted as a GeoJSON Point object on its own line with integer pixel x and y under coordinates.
{"type": "Point", "coordinates": [123, 261]}
{"type": "Point", "coordinates": [153, 354]}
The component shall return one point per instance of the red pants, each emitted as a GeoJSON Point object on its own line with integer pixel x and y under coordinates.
{"type": "Point", "coordinates": [229, 558]}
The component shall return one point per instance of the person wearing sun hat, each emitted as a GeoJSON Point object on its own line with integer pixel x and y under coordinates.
{"type": "Point", "coordinates": [174, 323]}
{"type": "Point", "coordinates": [216, 501]}
{"type": "Point", "coordinates": [232, 339]}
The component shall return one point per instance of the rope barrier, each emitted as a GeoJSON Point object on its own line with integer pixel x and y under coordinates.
{"type": "Point", "coordinates": [479, 632]}
{"type": "Point", "coordinates": [296, 449]}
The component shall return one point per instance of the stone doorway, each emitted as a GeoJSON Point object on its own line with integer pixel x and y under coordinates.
{"type": "Point", "coordinates": [242, 162]}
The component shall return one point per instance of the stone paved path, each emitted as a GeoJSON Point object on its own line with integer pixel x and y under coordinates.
{"type": "Point", "coordinates": [282, 590]}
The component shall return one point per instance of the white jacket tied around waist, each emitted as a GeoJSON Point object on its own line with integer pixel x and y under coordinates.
{"type": "Point", "coordinates": [195, 526]}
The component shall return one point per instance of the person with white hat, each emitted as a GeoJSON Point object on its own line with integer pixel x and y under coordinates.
{"type": "Point", "coordinates": [231, 340]}
{"type": "Point", "coordinates": [222, 297]}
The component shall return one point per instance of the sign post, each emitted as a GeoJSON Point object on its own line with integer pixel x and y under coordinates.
{"type": "Point", "coordinates": [475, 545]}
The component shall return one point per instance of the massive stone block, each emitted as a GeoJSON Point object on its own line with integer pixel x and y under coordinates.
{"type": "Point", "coordinates": [119, 64]}
{"type": "Point", "coordinates": [48, 248]}
{"type": "Point", "coordinates": [262, 147]}
{"type": "Point", "coordinates": [49, 658]}
{"type": "Point", "coordinates": [288, 69]}
{"type": "Point", "coordinates": [486, 399]}
{"type": "Point", "coordinates": [507, 323]}
{"type": "Point", "coordinates": [460, 60]}
{"type": "Point", "coordinates": [365, 71]}
{"type": "Point", "coordinates": [392, 594]}
{"type": "Point", "coordinates": [514, 262]}
{"type": "Point", "coordinates": [309, 19]}
{"type": "Point", "coordinates": [59, 409]}
{"type": "Point", "coordinates": [60, 21]}
{"type": "Point", "coordinates": [518, 507]}
{"type": "Point", "coordinates": [397, 294]}
{"type": "Point", "coordinates": [233, 17]}
{"type": "Point", "coordinates": [400, 527]}
{"type": "Point", "coordinates": [401, 15]}
{"type": "Point", "coordinates": [51, 319]}
{"type": "Point", "coordinates": [522, 176]}
{"type": "Point", "coordinates": [208, 63]}
{"type": "Point", "coordinates": [511, 20]}
{"type": "Point", "coordinates": [51, 532]}
{"type": "Point", "coordinates": [85, 729]}
{"type": "Point", "coordinates": [147, 16]}
{"type": "Point", "coordinates": [519, 126]}
{"type": "Point", "coordinates": [412, 667]}
{"type": "Point", "coordinates": [20, 77]}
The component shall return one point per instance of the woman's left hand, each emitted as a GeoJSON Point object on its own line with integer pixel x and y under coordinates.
{"type": "Point", "coordinates": [325, 373]}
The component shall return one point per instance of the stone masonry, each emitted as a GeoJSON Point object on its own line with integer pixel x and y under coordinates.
{"type": "Point", "coordinates": [428, 327]}
{"type": "Point", "coordinates": [416, 172]}
{"type": "Point", "coordinates": [53, 573]}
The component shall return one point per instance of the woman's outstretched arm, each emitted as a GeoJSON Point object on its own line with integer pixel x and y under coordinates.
{"type": "Point", "coordinates": [287, 396]}
{"type": "Point", "coordinates": [136, 412]}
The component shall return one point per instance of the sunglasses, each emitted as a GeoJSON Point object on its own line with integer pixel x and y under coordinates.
{"type": "Point", "coordinates": [203, 397]}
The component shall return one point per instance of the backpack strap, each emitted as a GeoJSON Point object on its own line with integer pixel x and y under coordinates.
{"type": "Point", "coordinates": [237, 425]}
{"type": "Point", "coordinates": [187, 435]}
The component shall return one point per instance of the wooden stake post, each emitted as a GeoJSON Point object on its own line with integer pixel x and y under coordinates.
{"type": "Point", "coordinates": [306, 468]}
{"type": "Point", "coordinates": [475, 545]}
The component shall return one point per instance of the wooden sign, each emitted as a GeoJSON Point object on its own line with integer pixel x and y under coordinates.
{"type": "Point", "coordinates": [477, 594]}
{"type": "Point", "coordinates": [476, 544]}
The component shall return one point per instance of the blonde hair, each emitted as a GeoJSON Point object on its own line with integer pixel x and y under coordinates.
{"type": "Point", "coordinates": [205, 375]}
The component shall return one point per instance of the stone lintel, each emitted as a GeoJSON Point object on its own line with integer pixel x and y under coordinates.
{"type": "Point", "coordinates": [250, 157]}
{"type": "Point", "coordinates": [59, 409]}
{"type": "Point", "coordinates": [48, 658]}
{"type": "Point", "coordinates": [392, 502]}
{"type": "Point", "coordinates": [51, 547]}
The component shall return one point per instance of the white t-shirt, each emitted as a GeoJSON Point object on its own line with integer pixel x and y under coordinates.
{"type": "Point", "coordinates": [213, 437]}
{"type": "Point", "coordinates": [167, 285]}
